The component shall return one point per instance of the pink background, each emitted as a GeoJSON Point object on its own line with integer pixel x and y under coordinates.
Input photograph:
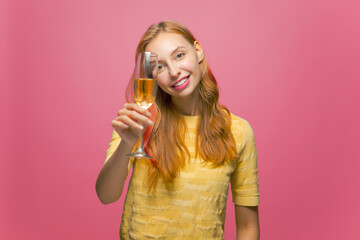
{"type": "Point", "coordinates": [291, 68]}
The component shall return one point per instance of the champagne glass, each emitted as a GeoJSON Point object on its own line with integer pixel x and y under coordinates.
{"type": "Point", "coordinates": [145, 89]}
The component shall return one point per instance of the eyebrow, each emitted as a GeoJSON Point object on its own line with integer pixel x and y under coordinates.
{"type": "Point", "coordinates": [177, 49]}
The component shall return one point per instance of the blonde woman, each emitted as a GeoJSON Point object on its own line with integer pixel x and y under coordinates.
{"type": "Point", "coordinates": [198, 146]}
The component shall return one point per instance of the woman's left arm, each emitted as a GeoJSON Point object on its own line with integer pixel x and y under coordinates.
{"type": "Point", "coordinates": [247, 223]}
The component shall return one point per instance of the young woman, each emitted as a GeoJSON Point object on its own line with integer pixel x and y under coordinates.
{"type": "Point", "coordinates": [198, 146]}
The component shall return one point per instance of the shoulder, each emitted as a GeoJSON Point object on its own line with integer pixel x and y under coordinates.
{"type": "Point", "coordinates": [241, 129]}
{"type": "Point", "coordinates": [240, 125]}
{"type": "Point", "coordinates": [113, 144]}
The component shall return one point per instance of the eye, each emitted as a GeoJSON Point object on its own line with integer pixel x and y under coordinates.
{"type": "Point", "coordinates": [160, 67]}
{"type": "Point", "coordinates": [180, 55]}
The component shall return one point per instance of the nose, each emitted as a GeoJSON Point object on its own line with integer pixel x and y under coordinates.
{"type": "Point", "coordinates": [174, 70]}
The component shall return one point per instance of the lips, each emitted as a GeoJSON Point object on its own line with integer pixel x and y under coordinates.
{"type": "Point", "coordinates": [181, 83]}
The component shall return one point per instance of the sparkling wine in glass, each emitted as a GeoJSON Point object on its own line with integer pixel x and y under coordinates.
{"type": "Point", "coordinates": [145, 89]}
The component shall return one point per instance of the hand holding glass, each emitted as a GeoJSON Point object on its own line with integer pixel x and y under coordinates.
{"type": "Point", "coordinates": [145, 89]}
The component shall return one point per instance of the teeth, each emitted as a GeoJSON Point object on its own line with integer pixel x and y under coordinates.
{"type": "Point", "coordinates": [181, 82]}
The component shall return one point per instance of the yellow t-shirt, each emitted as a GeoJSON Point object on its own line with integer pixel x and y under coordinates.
{"type": "Point", "coordinates": [194, 205]}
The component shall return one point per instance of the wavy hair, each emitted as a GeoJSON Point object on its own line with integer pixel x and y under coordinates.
{"type": "Point", "coordinates": [214, 140]}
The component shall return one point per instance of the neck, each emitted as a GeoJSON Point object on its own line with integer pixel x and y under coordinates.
{"type": "Point", "coordinates": [188, 106]}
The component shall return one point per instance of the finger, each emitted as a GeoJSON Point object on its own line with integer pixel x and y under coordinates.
{"type": "Point", "coordinates": [120, 127]}
{"type": "Point", "coordinates": [142, 121]}
{"type": "Point", "coordinates": [135, 116]}
{"type": "Point", "coordinates": [135, 107]}
{"type": "Point", "coordinates": [129, 122]}
{"type": "Point", "coordinates": [119, 124]}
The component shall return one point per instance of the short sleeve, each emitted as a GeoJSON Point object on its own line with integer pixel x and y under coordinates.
{"type": "Point", "coordinates": [113, 144]}
{"type": "Point", "coordinates": [244, 180]}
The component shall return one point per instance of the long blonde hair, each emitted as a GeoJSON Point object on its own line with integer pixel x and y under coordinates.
{"type": "Point", "coordinates": [214, 140]}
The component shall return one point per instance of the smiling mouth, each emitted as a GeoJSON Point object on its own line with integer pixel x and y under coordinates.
{"type": "Point", "coordinates": [181, 82]}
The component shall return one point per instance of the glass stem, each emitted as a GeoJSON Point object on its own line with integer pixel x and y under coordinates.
{"type": "Point", "coordinates": [140, 146]}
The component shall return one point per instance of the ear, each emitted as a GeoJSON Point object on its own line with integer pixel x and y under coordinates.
{"type": "Point", "coordinates": [199, 51]}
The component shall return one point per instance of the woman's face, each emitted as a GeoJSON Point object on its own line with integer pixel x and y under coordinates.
{"type": "Point", "coordinates": [179, 70]}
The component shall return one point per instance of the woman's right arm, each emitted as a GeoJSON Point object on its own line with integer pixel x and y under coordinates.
{"type": "Point", "coordinates": [128, 124]}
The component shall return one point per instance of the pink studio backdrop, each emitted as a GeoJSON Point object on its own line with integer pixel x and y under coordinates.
{"type": "Point", "coordinates": [291, 68]}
